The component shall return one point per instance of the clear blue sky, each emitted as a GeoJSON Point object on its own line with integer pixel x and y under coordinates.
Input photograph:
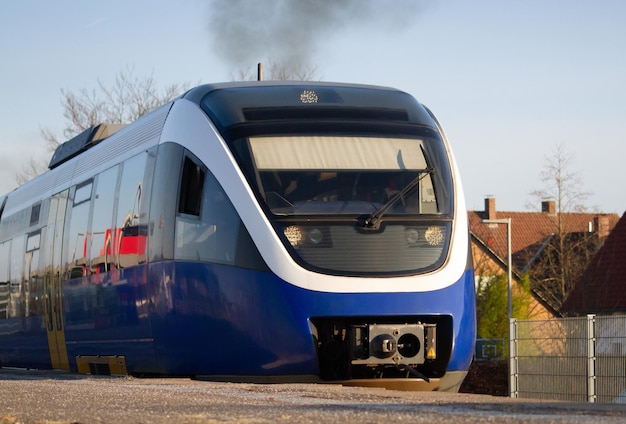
{"type": "Point", "coordinates": [509, 80]}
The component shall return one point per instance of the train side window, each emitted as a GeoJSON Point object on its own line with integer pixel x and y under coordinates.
{"type": "Point", "coordinates": [100, 250]}
{"type": "Point", "coordinates": [131, 232]}
{"type": "Point", "coordinates": [83, 192]}
{"type": "Point", "coordinates": [34, 214]}
{"type": "Point", "coordinates": [5, 249]}
{"type": "Point", "coordinates": [33, 280]}
{"type": "Point", "coordinates": [17, 277]}
{"type": "Point", "coordinates": [78, 236]}
{"type": "Point", "coordinates": [190, 199]}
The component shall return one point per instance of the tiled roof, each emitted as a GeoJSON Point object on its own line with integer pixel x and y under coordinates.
{"type": "Point", "coordinates": [530, 230]}
{"type": "Point", "coordinates": [602, 288]}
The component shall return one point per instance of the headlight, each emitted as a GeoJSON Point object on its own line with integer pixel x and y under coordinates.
{"type": "Point", "coordinates": [294, 235]}
{"type": "Point", "coordinates": [412, 235]}
{"type": "Point", "coordinates": [300, 237]}
{"type": "Point", "coordinates": [316, 236]}
{"type": "Point", "coordinates": [435, 235]}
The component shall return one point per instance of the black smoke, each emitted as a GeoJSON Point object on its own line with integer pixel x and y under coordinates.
{"type": "Point", "coordinates": [244, 32]}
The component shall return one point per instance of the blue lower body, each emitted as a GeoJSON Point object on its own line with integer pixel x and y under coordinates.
{"type": "Point", "coordinates": [215, 319]}
{"type": "Point", "coordinates": [192, 318]}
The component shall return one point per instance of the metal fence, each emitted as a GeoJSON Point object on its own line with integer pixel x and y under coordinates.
{"type": "Point", "coordinates": [572, 359]}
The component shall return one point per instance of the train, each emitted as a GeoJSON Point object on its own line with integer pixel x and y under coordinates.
{"type": "Point", "coordinates": [264, 231]}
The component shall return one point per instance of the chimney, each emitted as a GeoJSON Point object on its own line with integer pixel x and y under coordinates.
{"type": "Point", "coordinates": [549, 207]}
{"type": "Point", "coordinates": [490, 208]}
{"type": "Point", "coordinates": [601, 222]}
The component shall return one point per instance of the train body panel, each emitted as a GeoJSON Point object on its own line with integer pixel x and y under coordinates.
{"type": "Point", "coordinates": [213, 319]}
{"type": "Point", "coordinates": [178, 245]}
{"type": "Point", "coordinates": [258, 324]}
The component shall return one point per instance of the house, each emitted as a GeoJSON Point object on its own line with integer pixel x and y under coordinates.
{"type": "Point", "coordinates": [602, 287]}
{"type": "Point", "coordinates": [534, 238]}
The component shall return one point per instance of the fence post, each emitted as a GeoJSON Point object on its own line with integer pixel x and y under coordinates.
{"type": "Point", "coordinates": [591, 359]}
{"type": "Point", "coordinates": [513, 389]}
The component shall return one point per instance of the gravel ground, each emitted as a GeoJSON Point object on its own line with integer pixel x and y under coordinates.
{"type": "Point", "coordinates": [47, 397]}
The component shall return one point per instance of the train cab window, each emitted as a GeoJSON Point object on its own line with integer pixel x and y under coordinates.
{"type": "Point", "coordinates": [214, 237]}
{"type": "Point", "coordinates": [101, 257]}
{"type": "Point", "coordinates": [78, 233]}
{"type": "Point", "coordinates": [321, 175]}
{"type": "Point", "coordinates": [191, 185]}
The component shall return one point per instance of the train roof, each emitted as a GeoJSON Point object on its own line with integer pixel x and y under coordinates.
{"type": "Point", "coordinates": [206, 88]}
{"type": "Point", "coordinates": [233, 103]}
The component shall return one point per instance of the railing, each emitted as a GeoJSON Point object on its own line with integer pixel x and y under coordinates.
{"type": "Point", "coordinates": [572, 359]}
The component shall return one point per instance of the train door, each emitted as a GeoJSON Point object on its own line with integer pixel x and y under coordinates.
{"type": "Point", "coordinates": [52, 281]}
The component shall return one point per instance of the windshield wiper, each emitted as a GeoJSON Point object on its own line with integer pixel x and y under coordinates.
{"type": "Point", "coordinates": [373, 220]}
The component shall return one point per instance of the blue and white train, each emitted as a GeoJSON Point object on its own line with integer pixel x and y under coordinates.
{"type": "Point", "coordinates": [264, 231]}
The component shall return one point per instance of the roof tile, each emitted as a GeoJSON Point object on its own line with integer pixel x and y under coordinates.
{"type": "Point", "coordinates": [529, 230]}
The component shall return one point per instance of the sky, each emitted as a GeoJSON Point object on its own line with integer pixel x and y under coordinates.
{"type": "Point", "coordinates": [510, 81]}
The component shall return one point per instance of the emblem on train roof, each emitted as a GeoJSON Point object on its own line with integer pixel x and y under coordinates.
{"type": "Point", "coordinates": [308, 96]}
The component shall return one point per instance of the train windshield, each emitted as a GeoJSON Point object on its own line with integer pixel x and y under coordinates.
{"type": "Point", "coordinates": [354, 175]}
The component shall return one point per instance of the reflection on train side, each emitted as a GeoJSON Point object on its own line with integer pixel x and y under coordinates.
{"type": "Point", "coordinates": [123, 248]}
{"type": "Point", "coordinates": [107, 239]}
{"type": "Point", "coordinates": [21, 297]}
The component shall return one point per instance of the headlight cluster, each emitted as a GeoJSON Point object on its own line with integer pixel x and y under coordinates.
{"type": "Point", "coordinates": [294, 235]}
{"type": "Point", "coordinates": [299, 236]}
{"type": "Point", "coordinates": [397, 248]}
{"type": "Point", "coordinates": [434, 235]}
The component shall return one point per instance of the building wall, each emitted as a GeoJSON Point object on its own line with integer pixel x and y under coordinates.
{"type": "Point", "coordinates": [486, 266]}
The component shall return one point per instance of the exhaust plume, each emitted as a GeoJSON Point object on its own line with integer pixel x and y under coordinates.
{"type": "Point", "coordinates": [291, 32]}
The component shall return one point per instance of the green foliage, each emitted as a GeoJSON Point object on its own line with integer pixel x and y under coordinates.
{"type": "Point", "coordinates": [522, 298]}
{"type": "Point", "coordinates": [492, 305]}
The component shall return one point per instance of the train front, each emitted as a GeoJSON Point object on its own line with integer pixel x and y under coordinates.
{"type": "Point", "coordinates": [364, 229]}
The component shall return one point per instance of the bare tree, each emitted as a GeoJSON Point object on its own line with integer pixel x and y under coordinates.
{"type": "Point", "coordinates": [568, 249]}
{"type": "Point", "coordinates": [278, 71]}
{"type": "Point", "coordinates": [29, 170]}
{"type": "Point", "coordinates": [129, 98]}
{"type": "Point", "coordinates": [561, 183]}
